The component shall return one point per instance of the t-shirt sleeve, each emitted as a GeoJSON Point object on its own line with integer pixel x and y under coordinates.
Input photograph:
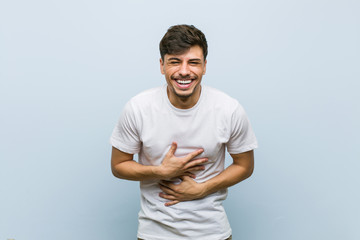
{"type": "Point", "coordinates": [125, 135]}
{"type": "Point", "coordinates": [242, 137]}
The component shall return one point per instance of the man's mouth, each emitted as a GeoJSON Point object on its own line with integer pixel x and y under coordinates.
{"type": "Point", "coordinates": [183, 82]}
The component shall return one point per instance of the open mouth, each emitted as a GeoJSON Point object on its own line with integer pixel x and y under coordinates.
{"type": "Point", "coordinates": [183, 82]}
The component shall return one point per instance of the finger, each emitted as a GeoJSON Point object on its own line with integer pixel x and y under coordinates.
{"type": "Point", "coordinates": [167, 196]}
{"type": "Point", "coordinates": [189, 174]}
{"type": "Point", "coordinates": [194, 154]}
{"type": "Point", "coordinates": [196, 162]}
{"type": "Point", "coordinates": [172, 148]}
{"type": "Point", "coordinates": [167, 190]}
{"type": "Point", "coordinates": [167, 184]}
{"type": "Point", "coordinates": [185, 178]}
{"type": "Point", "coordinates": [197, 168]}
{"type": "Point", "coordinates": [171, 203]}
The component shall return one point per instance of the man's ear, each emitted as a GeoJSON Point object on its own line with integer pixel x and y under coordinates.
{"type": "Point", "coordinates": [205, 67]}
{"type": "Point", "coordinates": [162, 66]}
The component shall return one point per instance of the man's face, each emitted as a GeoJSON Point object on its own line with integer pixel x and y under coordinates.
{"type": "Point", "coordinates": [183, 74]}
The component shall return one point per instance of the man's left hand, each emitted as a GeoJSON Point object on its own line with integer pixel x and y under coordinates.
{"type": "Point", "coordinates": [187, 190]}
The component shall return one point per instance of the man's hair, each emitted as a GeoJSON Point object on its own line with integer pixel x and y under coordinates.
{"type": "Point", "coordinates": [180, 38]}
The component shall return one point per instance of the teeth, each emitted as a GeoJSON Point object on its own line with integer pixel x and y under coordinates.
{"type": "Point", "coordinates": [183, 81]}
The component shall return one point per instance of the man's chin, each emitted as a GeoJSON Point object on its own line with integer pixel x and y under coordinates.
{"type": "Point", "coordinates": [184, 94]}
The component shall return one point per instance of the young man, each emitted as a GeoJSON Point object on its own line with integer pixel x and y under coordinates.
{"type": "Point", "coordinates": [181, 131]}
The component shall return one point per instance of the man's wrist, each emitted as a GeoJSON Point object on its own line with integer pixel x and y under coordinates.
{"type": "Point", "coordinates": [157, 172]}
{"type": "Point", "coordinates": [203, 189]}
{"type": "Point", "coordinates": [209, 187]}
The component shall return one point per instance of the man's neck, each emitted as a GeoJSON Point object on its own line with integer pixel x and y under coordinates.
{"type": "Point", "coordinates": [184, 102]}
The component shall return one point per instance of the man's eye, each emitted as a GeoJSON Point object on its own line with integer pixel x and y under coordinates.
{"type": "Point", "coordinates": [174, 62]}
{"type": "Point", "coordinates": [194, 63]}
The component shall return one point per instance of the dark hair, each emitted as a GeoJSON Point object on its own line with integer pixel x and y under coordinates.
{"type": "Point", "coordinates": [180, 38]}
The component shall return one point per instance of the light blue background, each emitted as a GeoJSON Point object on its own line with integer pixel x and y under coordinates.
{"type": "Point", "coordinates": [68, 67]}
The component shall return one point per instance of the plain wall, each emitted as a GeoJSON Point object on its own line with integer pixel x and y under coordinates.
{"type": "Point", "coordinates": [68, 67]}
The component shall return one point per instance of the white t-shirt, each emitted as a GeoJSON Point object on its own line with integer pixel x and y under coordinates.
{"type": "Point", "coordinates": [148, 126]}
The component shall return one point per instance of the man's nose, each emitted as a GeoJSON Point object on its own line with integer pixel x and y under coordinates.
{"type": "Point", "coordinates": [184, 69]}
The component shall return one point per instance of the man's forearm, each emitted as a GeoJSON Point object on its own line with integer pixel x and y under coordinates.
{"type": "Point", "coordinates": [241, 168]}
{"type": "Point", "coordinates": [229, 177]}
{"type": "Point", "coordinates": [123, 166]}
{"type": "Point", "coordinates": [131, 170]}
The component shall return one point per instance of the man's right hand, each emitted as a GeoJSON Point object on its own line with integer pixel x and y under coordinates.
{"type": "Point", "coordinates": [172, 166]}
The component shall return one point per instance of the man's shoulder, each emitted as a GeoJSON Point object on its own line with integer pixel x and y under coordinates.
{"type": "Point", "coordinates": [148, 93]}
{"type": "Point", "coordinates": [147, 96]}
{"type": "Point", "coordinates": [218, 97]}
{"type": "Point", "coordinates": [216, 92]}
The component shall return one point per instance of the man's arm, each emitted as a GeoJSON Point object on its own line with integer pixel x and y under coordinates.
{"type": "Point", "coordinates": [241, 168]}
{"type": "Point", "coordinates": [123, 166]}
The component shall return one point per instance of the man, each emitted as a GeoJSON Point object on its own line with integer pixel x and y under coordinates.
{"type": "Point", "coordinates": [180, 132]}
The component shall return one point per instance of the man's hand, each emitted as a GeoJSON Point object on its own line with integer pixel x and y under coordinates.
{"type": "Point", "coordinates": [241, 168]}
{"type": "Point", "coordinates": [172, 166]}
{"type": "Point", "coordinates": [187, 190]}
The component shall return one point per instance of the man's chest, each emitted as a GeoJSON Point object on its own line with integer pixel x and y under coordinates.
{"type": "Point", "coordinates": [209, 131]}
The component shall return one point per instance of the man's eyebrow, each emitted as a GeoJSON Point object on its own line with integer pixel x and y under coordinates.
{"type": "Point", "coordinates": [178, 59]}
{"type": "Point", "coordinates": [174, 58]}
{"type": "Point", "coordinates": [195, 59]}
